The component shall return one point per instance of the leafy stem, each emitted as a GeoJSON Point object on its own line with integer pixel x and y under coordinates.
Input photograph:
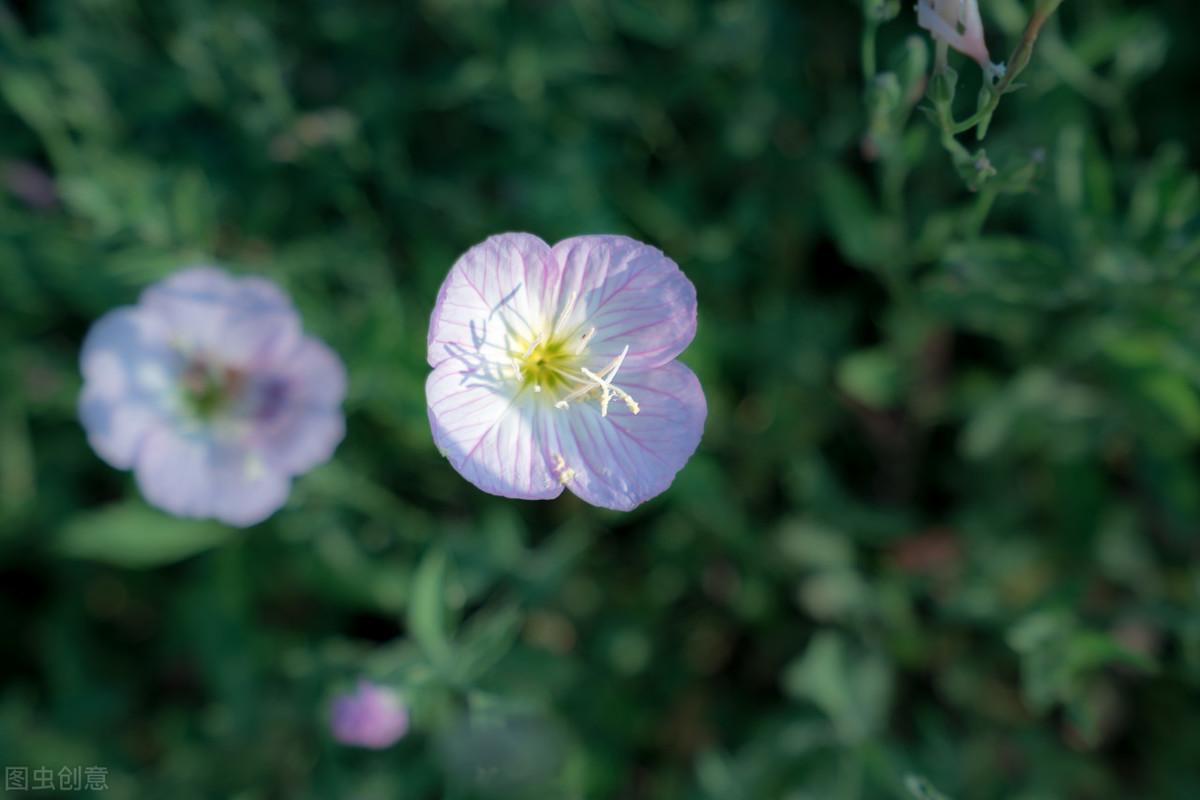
{"type": "Point", "coordinates": [1017, 63]}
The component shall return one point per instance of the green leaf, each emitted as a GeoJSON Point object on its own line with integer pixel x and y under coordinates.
{"type": "Point", "coordinates": [865, 237]}
{"type": "Point", "coordinates": [872, 377]}
{"type": "Point", "coordinates": [487, 639]}
{"type": "Point", "coordinates": [1015, 270]}
{"type": "Point", "coordinates": [1175, 400]}
{"type": "Point", "coordinates": [852, 688]}
{"type": "Point", "coordinates": [811, 544]}
{"type": "Point", "coordinates": [920, 788]}
{"type": "Point", "coordinates": [1059, 657]}
{"type": "Point", "coordinates": [428, 620]}
{"type": "Point", "coordinates": [1089, 650]}
{"type": "Point", "coordinates": [133, 535]}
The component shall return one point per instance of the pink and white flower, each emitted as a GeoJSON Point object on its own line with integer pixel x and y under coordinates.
{"type": "Point", "coordinates": [371, 716]}
{"type": "Point", "coordinates": [209, 391]}
{"type": "Point", "coordinates": [554, 367]}
{"type": "Point", "coordinates": [958, 24]}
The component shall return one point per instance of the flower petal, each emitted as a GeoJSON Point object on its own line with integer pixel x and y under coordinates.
{"type": "Point", "coordinates": [191, 475]}
{"type": "Point", "coordinates": [942, 18]}
{"type": "Point", "coordinates": [498, 289]}
{"type": "Point", "coordinates": [243, 322]}
{"type": "Point", "coordinates": [973, 33]}
{"type": "Point", "coordinates": [631, 293]}
{"type": "Point", "coordinates": [622, 460]}
{"type": "Point", "coordinates": [303, 438]}
{"type": "Point", "coordinates": [492, 434]}
{"type": "Point", "coordinates": [308, 425]}
{"type": "Point", "coordinates": [317, 373]}
{"type": "Point", "coordinates": [129, 370]}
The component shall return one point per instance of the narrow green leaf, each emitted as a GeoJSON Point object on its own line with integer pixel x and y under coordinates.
{"type": "Point", "coordinates": [487, 639]}
{"type": "Point", "coordinates": [921, 789]}
{"type": "Point", "coordinates": [427, 618]}
{"type": "Point", "coordinates": [133, 535]}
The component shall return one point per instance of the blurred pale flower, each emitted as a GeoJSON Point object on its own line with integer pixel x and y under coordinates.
{"type": "Point", "coordinates": [209, 391]}
{"type": "Point", "coordinates": [371, 716]}
{"type": "Point", "coordinates": [555, 367]}
{"type": "Point", "coordinates": [958, 24]}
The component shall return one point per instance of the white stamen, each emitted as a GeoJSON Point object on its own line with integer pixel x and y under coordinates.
{"type": "Point", "coordinates": [629, 401]}
{"type": "Point", "coordinates": [605, 384]}
{"type": "Point", "coordinates": [567, 308]}
{"type": "Point", "coordinates": [587, 381]}
{"type": "Point", "coordinates": [565, 473]}
{"type": "Point", "coordinates": [583, 339]}
{"type": "Point", "coordinates": [605, 391]}
{"type": "Point", "coordinates": [518, 361]}
{"type": "Point", "coordinates": [532, 345]}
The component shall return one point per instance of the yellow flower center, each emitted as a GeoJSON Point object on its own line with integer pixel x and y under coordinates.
{"type": "Point", "coordinates": [546, 365]}
{"type": "Point", "coordinates": [552, 364]}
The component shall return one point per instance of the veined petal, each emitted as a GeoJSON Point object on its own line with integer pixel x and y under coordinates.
{"type": "Point", "coordinates": [243, 322]}
{"type": "Point", "coordinates": [129, 370]}
{"type": "Point", "coordinates": [317, 372]}
{"type": "Point", "coordinates": [246, 488]}
{"type": "Point", "coordinates": [631, 293]}
{"type": "Point", "coordinates": [492, 434]}
{"type": "Point", "coordinates": [303, 425]}
{"type": "Point", "coordinates": [498, 290]}
{"type": "Point", "coordinates": [191, 475]}
{"type": "Point", "coordinates": [622, 460]}
{"type": "Point", "coordinates": [302, 438]}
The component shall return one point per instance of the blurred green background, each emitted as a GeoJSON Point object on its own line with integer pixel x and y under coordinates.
{"type": "Point", "coordinates": [942, 530]}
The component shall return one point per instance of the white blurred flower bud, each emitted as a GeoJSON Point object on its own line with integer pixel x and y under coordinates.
{"type": "Point", "coordinates": [958, 24]}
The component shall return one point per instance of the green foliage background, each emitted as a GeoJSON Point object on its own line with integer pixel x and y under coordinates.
{"type": "Point", "coordinates": [942, 527]}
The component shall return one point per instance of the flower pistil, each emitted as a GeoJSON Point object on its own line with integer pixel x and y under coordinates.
{"type": "Point", "coordinates": [554, 362]}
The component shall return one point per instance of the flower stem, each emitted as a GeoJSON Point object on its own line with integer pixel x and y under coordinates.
{"type": "Point", "coordinates": [979, 212]}
{"type": "Point", "coordinates": [869, 66]}
{"type": "Point", "coordinates": [1016, 65]}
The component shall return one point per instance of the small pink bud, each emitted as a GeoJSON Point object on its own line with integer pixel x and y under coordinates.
{"type": "Point", "coordinates": [371, 716]}
{"type": "Point", "coordinates": [958, 24]}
